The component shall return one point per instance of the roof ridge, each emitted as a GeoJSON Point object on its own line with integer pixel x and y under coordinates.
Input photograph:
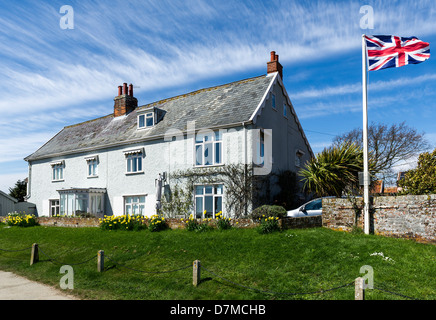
{"type": "Point", "coordinates": [199, 91]}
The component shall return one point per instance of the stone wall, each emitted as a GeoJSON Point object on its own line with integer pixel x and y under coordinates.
{"type": "Point", "coordinates": [285, 223]}
{"type": "Point", "coordinates": [68, 222]}
{"type": "Point", "coordinates": [301, 222]}
{"type": "Point", "coordinates": [405, 216]}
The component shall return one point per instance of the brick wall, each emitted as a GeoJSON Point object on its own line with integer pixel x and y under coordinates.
{"type": "Point", "coordinates": [406, 216]}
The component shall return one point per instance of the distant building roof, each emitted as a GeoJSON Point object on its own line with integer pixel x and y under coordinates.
{"type": "Point", "coordinates": [8, 196]}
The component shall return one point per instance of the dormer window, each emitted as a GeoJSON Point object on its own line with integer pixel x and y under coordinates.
{"type": "Point", "coordinates": [146, 120]}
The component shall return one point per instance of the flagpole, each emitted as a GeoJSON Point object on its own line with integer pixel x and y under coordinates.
{"type": "Point", "coordinates": [365, 138]}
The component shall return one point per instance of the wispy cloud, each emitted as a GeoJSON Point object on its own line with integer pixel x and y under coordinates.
{"type": "Point", "coordinates": [357, 87]}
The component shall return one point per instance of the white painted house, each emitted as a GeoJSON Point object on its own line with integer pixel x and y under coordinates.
{"type": "Point", "coordinates": [110, 165]}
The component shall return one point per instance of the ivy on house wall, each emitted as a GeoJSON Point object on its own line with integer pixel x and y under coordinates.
{"type": "Point", "coordinates": [244, 191]}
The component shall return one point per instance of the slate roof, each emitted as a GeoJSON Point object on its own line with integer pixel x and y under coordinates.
{"type": "Point", "coordinates": [211, 107]}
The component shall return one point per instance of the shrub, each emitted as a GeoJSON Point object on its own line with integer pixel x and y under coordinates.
{"type": "Point", "coordinates": [421, 180]}
{"type": "Point", "coordinates": [21, 220]}
{"type": "Point", "coordinates": [125, 222]}
{"type": "Point", "coordinates": [268, 211]}
{"type": "Point", "coordinates": [157, 223]}
{"type": "Point", "coordinates": [268, 225]}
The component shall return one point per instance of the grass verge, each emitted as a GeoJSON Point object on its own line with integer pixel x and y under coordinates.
{"type": "Point", "coordinates": [292, 261]}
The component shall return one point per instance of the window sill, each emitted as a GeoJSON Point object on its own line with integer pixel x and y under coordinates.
{"type": "Point", "coordinates": [133, 173]}
{"type": "Point", "coordinates": [209, 165]}
{"type": "Point", "coordinates": [58, 180]}
{"type": "Point", "coordinates": [144, 128]}
{"type": "Point", "coordinates": [92, 177]}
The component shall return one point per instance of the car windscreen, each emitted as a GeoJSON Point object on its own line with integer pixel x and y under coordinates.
{"type": "Point", "coordinates": [314, 205]}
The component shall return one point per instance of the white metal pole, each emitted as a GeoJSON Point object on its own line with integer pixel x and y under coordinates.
{"type": "Point", "coordinates": [365, 138]}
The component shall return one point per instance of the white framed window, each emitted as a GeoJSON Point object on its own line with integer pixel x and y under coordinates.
{"type": "Point", "coordinates": [134, 161]}
{"type": "Point", "coordinates": [208, 200]}
{"type": "Point", "coordinates": [92, 166]}
{"type": "Point", "coordinates": [273, 101]}
{"type": "Point", "coordinates": [146, 120]}
{"type": "Point", "coordinates": [208, 148]}
{"type": "Point", "coordinates": [134, 205]}
{"type": "Point", "coordinates": [57, 171]}
{"type": "Point", "coordinates": [54, 208]}
{"type": "Point", "coordinates": [285, 110]}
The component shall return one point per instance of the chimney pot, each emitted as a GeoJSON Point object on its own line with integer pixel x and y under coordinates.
{"type": "Point", "coordinates": [274, 65]}
{"type": "Point", "coordinates": [125, 102]}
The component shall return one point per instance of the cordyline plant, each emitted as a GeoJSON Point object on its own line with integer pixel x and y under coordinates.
{"type": "Point", "coordinates": [334, 171]}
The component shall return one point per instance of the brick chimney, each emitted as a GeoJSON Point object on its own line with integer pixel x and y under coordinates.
{"type": "Point", "coordinates": [274, 65]}
{"type": "Point", "coordinates": [125, 102]}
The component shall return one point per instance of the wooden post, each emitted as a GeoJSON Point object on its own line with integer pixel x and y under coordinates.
{"type": "Point", "coordinates": [100, 261]}
{"type": "Point", "coordinates": [359, 289]}
{"type": "Point", "coordinates": [34, 256]}
{"type": "Point", "coordinates": [196, 273]}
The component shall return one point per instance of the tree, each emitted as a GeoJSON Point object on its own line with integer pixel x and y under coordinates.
{"type": "Point", "coordinates": [19, 191]}
{"type": "Point", "coordinates": [421, 180]}
{"type": "Point", "coordinates": [334, 170]}
{"type": "Point", "coordinates": [388, 145]}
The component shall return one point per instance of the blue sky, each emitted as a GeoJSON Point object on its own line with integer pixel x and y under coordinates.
{"type": "Point", "coordinates": [52, 77]}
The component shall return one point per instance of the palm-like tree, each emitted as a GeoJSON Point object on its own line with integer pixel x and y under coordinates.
{"type": "Point", "coordinates": [334, 170]}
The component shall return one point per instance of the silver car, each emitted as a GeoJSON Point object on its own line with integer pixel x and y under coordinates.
{"type": "Point", "coordinates": [312, 208]}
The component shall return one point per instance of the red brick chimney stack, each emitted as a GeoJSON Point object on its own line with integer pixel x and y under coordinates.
{"type": "Point", "coordinates": [274, 65]}
{"type": "Point", "coordinates": [125, 102]}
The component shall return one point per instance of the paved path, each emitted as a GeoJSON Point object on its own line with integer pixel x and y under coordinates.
{"type": "Point", "coordinates": [13, 287]}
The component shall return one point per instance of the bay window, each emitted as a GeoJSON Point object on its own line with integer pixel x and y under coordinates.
{"type": "Point", "coordinates": [75, 201]}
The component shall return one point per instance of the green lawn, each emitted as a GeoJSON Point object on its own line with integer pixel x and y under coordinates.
{"type": "Point", "coordinates": [295, 261]}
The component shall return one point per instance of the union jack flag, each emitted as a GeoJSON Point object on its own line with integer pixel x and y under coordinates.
{"type": "Point", "coordinates": [393, 52]}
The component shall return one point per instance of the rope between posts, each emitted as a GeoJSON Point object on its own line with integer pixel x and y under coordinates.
{"type": "Point", "coordinates": [278, 293]}
{"type": "Point", "coordinates": [62, 263]}
{"type": "Point", "coordinates": [143, 271]}
{"type": "Point", "coordinates": [398, 294]}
